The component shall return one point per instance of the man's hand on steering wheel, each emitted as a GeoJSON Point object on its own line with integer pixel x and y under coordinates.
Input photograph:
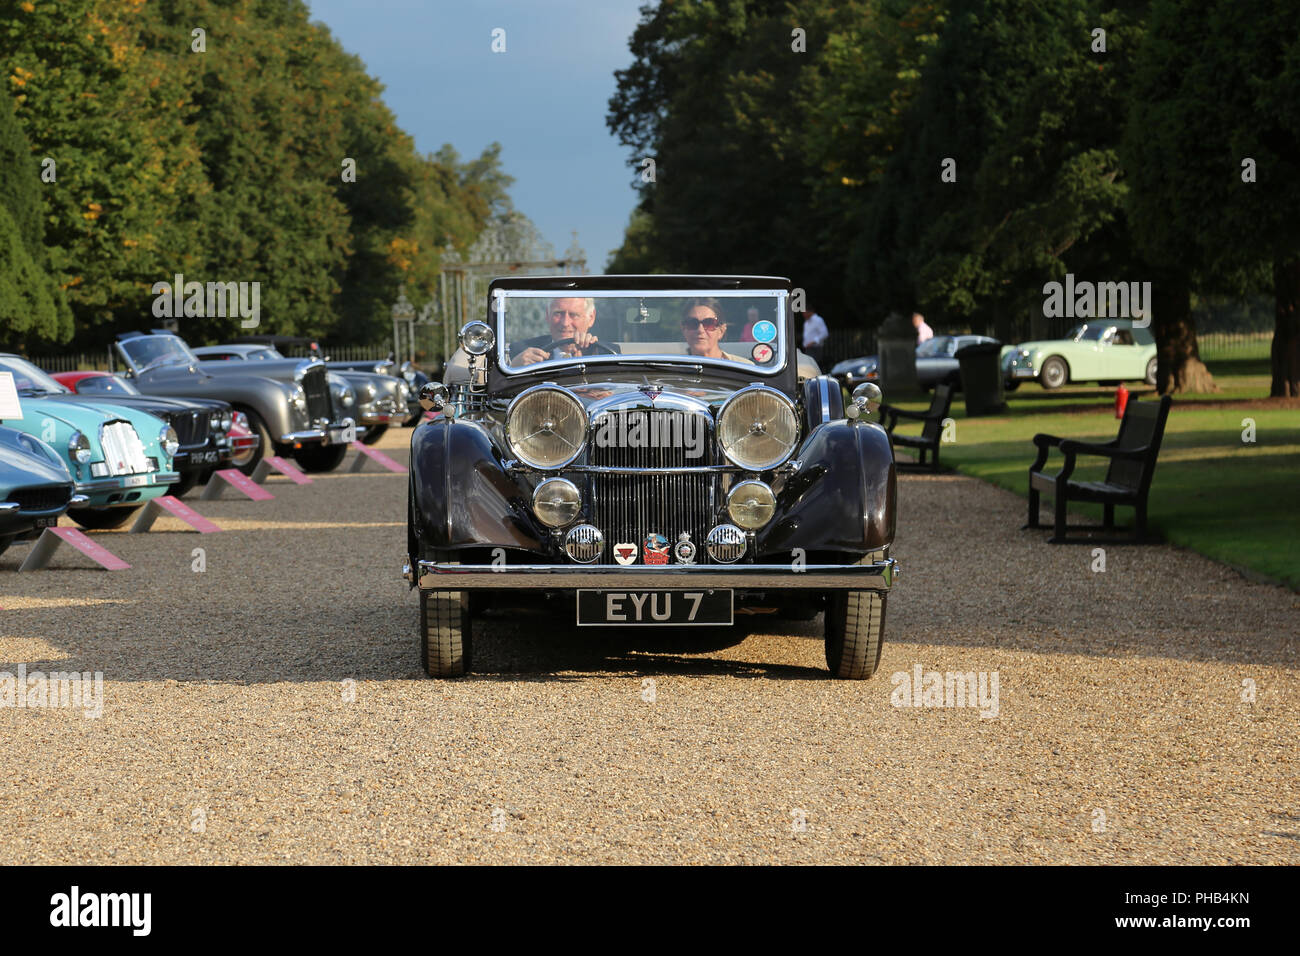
{"type": "Point", "coordinates": [578, 345]}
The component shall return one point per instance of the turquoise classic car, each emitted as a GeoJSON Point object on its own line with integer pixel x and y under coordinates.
{"type": "Point", "coordinates": [1103, 350]}
{"type": "Point", "coordinates": [118, 457]}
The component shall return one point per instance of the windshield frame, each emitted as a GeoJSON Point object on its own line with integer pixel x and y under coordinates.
{"type": "Point", "coordinates": [137, 369]}
{"type": "Point", "coordinates": [40, 373]}
{"type": "Point", "coordinates": [496, 312]}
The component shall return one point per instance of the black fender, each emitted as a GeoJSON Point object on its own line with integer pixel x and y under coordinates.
{"type": "Point", "coordinates": [842, 498]}
{"type": "Point", "coordinates": [461, 494]}
{"type": "Point", "coordinates": [822, 401]}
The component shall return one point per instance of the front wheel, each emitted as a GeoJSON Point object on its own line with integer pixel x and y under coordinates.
{"type": "Point", "coordinates": [855, 633]}
{"type": "Point", "coordinates": [1011, 386]}
{"type": "Point", "coordinates": [102, 519]}
{"type": "Point", "coordinates": [1150, 377]}
{"type": "Point", "coordinates": [446, 648]}
{"type": "Point", "coordinates": [1055, 373]}
{"type": "Point", "coordinates": [246, 461]}
{"type": "Point", "coordinates": [318, 458]}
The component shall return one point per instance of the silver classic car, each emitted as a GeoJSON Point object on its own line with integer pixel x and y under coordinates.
{"type": "Point", "coordinates": [609, 444]}
{"type": "Point", "coordinates": [288, 404]}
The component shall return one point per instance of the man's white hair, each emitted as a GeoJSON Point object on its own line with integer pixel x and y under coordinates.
{"type": "Point", "coordinates": [588, 302]}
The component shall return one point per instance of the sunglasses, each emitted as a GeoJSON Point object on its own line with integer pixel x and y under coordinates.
{"type": "Point", "coordinates": [708, 324]}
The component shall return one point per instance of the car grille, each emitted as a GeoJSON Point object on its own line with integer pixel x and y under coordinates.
{"type": "Point", "coordinates": [47, 498]}
{"type": "Point", "coordinates": [316, 387]}
{"type": "Point", "coordinates": [123, 450]}
{"type": "Point", "coordinates": [191, 428]}
{"type": "Point", "coordinates": [628, 507]}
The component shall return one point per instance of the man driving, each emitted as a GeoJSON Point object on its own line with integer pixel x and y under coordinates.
{"type": "Point", "coordinates": [570, 321]}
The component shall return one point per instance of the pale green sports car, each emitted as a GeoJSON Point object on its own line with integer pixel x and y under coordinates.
{"type": "Point", "coordinates": [1102, 350]}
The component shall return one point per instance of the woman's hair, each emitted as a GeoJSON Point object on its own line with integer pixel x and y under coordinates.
{"type": "Point", "coordinates": [708, 303]}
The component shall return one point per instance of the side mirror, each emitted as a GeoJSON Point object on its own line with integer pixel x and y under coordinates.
{"type": "Point", "coordinates": [866, 399]}
{"type": "Point", "coordinates": [434, 397]}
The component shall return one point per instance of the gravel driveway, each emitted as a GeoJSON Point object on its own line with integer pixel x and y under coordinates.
{"type": "Point", "coordinates": [232, 731]}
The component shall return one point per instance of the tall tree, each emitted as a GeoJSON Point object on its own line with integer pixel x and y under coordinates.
{"type": "Point", "coordinates": [1213, 152]}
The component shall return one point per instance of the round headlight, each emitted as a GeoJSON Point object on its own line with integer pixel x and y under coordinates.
{"type": "Point", "coordinates": [227, 420]}
{"type": "Point", "coordinates": [298, 398]}
{"type": "Point", "coordinates": [79, 448]}
{"type": "Point", "coordinates": [169, 440]}
{"type": "Point", "coordinates": [751, 504]}
{"type": "Point", "coordinates": [556, 502]}
{"type": "Point", "coordinates": [477, 338]}
{"type": "Point", "coordinates": [757, 428]}
{"type": "Point", "coordinates": [546, 426]}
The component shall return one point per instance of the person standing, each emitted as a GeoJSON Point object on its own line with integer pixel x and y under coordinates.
{"type": "Point", "coordinates": [923, 332]}
{"type": "Point", "coordinates": [815, 335]}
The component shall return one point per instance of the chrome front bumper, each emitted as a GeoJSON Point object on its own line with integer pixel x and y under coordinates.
{"type": "Point", "coordinates": [322, 435]}
{"type": "Point", "coordinates": [433, 576]}
{"type": "Point", "coordinates": [119, 483]}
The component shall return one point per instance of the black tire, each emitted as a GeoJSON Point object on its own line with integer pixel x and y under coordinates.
{"type": "Point", "coordinates": [102, 519]}
{"type": "Point", "coordinates": [855, 633]}
{"type": "Point", "coordinates": [446, 645]}
{"type": "Point", "coordinates": [1150, 377]}
{"type": "Point", "coordinates": [183, 487]}
{"type": "Point", "coordinates": [5, 542]}
{"type": "Point", "coordinates": [1010, 386]}
{"type": "Point", "coordinates": [319, 458]}
{"type": "Point", "coordinates": [374, 433]}
{"type": "Point", "coordinates": [258, 427]}
{"type": "Point", "coordinates": [1054, 374]}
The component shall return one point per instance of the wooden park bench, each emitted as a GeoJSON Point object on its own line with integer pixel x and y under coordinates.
{"type": "Point", "coordinates": [1132, 457]}
{"type": "Point", "coordinates": [931, 431]}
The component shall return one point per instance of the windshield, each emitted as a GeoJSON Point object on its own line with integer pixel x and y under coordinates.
{"type": "Point", "coordinates": [942, 345]}
{"type": "Point", "coordinates": [148, 351]}
{"type": "Point", "coordinates": [538, 328]}
{"type": "Point", "coordinates": [106, 385]}
{"type": "Point", "coordinates": [28, 379]}
{"type": "Point", "coordinates": [1087, 333]}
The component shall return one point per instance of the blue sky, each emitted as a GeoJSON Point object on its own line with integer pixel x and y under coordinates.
{"type": "Point", "coordinates": [544, 99]}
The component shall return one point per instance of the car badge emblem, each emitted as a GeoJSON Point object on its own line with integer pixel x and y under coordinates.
{"type": "Point", "coordinates": [651, 391]}
{"type": "Point", "coordinates": [656, 549]}
{"type": "Point", "coordinates": [625, 553]}
{"type": "Point", "coordinates": [684, 549]}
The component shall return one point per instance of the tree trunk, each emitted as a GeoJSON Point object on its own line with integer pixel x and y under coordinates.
{"type": "Point", "coordinates": [1286, 334]}
{"type": "Point", "coordinates": [1179, 367]}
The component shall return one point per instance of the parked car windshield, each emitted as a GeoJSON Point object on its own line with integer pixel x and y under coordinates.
{"type": "Point", "coordinates": [106, 385]}
{"type": "Point", "coordinates": [541, 328]}
{"type": "Point", "coordinates": [28, 379]}
{"type": "Point", "coordinates": [149, 351]}
{"type": "Point", "coordinates": [1087, 333]}
{"type": "Point", "coordinates": [940, 345]}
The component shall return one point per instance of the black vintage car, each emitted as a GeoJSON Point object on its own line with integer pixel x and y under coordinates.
{"type": "Point", "coordinates": [608, 441]}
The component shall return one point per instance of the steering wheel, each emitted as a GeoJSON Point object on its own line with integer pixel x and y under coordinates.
{"type": "Point", "coordinates": [558, 345]}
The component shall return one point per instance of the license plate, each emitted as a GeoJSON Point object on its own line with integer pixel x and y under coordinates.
{"type": "Point", "coordinates": [203, 457]}
{"type": "Point", "coordinates": [135, 481]}
{"type": "Point", "coordinates": [343, 435]}
{"type": "Point", "coordinates": [647, 608]}
{"type": "Point", "coordinates": [1022, 373]}
{"type": "Point", "coordinates": [49, 522]}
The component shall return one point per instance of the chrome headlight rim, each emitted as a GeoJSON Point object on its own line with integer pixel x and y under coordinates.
{"type": "Point", "coordinates": [79, 448]}
{"type": "Point", "coordinates": [569, 498]}
{"type": "Point", "coordinates": [169, 441]}
{"type": "Point", "coordinates": [511, 426]}
{"type": "Point", "coordinates": [298, 397]}
{"type": "Point", "coordinates": [477, 337]}
{"type": "Point", "coordinates": [751, 485]}
{"type": "Point", "coordinates": [766, 464]}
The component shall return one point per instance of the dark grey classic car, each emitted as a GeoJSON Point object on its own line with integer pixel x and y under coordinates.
{"type": "Point", "coordinates": [35, 486]}
{"type": "Point", "coordinates": [936, 362]}
{"type": "Point", "coordinates": [288, 403]}
{"type": "Point", "coordinates": [376, 400]}
{"type": "Point", "coordinates": [607, 444]}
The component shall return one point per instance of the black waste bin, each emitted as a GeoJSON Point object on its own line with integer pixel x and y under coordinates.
{"type": "Point", "coordinates": [981, 378]}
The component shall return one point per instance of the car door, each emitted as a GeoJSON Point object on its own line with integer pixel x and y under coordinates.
{"type": "Point", "coordinates": [1123, 359]}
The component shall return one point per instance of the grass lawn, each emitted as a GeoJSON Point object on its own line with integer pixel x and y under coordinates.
{"type": "Point", "coordinates": [1235, 501]}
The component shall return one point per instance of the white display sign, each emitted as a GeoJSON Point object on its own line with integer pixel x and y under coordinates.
{"type": "Point", "coordinates": [9, 406]}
